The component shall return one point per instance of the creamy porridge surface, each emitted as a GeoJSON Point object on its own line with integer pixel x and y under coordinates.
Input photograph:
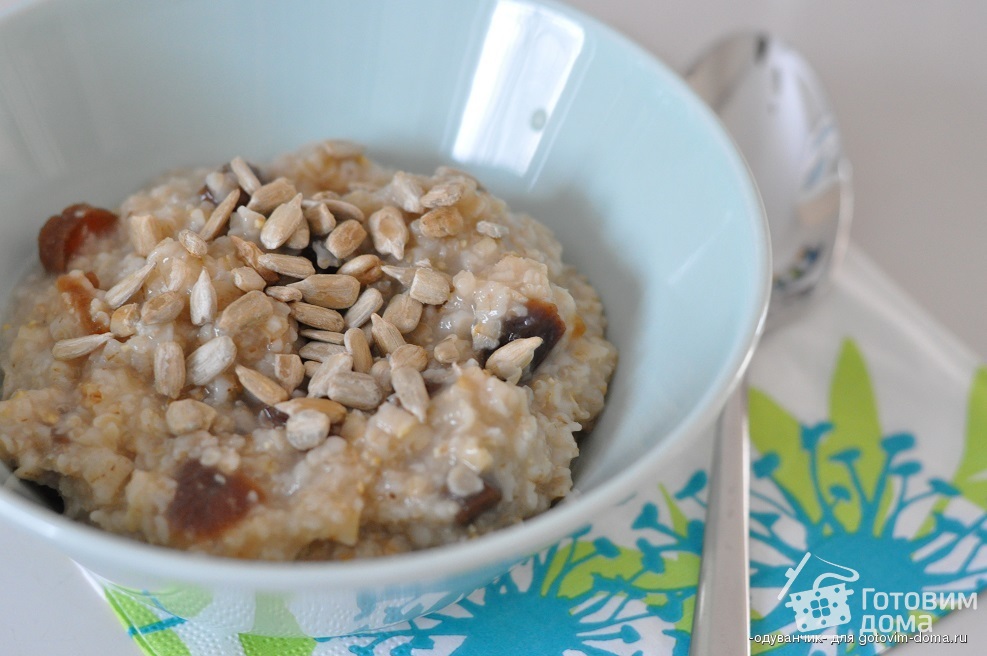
{"type": "Point", "coordinates": [320, 358]}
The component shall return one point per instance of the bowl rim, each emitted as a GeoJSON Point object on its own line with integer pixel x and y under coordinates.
{"type": "Point", "coordinates": [497, 548]}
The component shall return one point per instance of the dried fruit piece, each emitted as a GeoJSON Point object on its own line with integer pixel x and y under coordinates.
{"type": "Point", "coordinates": [64, 234]}
{"type": "Point", "coordinates": [542, 320]}
{"type": "Point", "coordinates": [474, 505]}
{"type": "Point", "coordinates": [207, 502]}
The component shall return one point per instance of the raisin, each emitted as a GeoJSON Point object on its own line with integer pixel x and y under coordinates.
{"type": "Point", "coordinates": [474, 505]}
{"type": "Point", "coordinates": [77, 295]}
{"type": "Point", "coordinates": [64, 234]}
{"type": "Point", "coordinates": [542, 320]}
{"type": "Point", "coordinates": [271, 417]}
{"type": "Point", "coordinates": [208, 502]}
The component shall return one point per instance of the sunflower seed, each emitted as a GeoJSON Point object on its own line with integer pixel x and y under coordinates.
{"type": "Point", "coordinates": [448, 192]}
{"type": "Point", "coordinates": [386, 336]}
{"type": "Point", "coordinates": [320, 220]}
{"type": "Point", "coordinates": [193, 243]}
{"type": "Point", "coordinates": [219, 184]}
{"type": "Point", "coordinates": [368, 303]}
{"type": "Point", "coordinates": [311, 368]}
{"type": "Point", "coordinates": [323, 258]}
{"type": "Point", "coordinates": [358, 348]}
{"type": "Point", "coordinates": [331, 290]}
{"type": "Point", "coordinates": [169, 369]}
{"type": "Point", "coordinates": [260, 386]}
{"type": "Point", "coordinates": [284, 294]}
{"type": "Point", "coordinates": [430, 287]}
{"type": "Point", "coordinates": [245, 175]}
{"type": "Point", "coordinates": [121, 292]}
{"type": "Point", "coordinates": [293, 266]}
{"type": "Point", "coordinates": [343, 211]}
{"type": "Point", "coordinates": [493, 230]}
{"type": "Point", "coordinates": [334, 365]}
{"type": "Point", "coordinates": [249, 310]}
{"type": "Point", "coordinates": [404, 312]}
{"type": "Point", "coordinates": [410, 388]}
{"type": "Point", "coordinates": [202, 300]}
{"type": "Point", "coordinates": [76, 347]}
{"type": "Point", "coordinates": [365, 268]}
{"type": "Point", "coordinates": [508, 362]}
{"type": "Point", "coordinates": [177, 276]}
{"type": "Point", "coordinates": [354, 390]}
{"type": "Point", "coordinates": [381, 371]}
{"type": "Point", "coordinates": [317, 316]}
{"type": "Point", "coordinates": [346, 238]}
{"type": "Point", "coordinates": [300, 238]}
{"type": "Point", "coordinates": [441, 222]}
{"type": "Point", "coordinates": [320, 351]}
{"type": "Point", "coordinates": [283, 222]}
{"type": "Point", "coordinates": [407, 192]}
{"type": "Point", "coordinates": [250, 253]}
{"type": "Point", "coordinates": [448, 350]}
{"type": "Point", "coordinates": [209, 360]}
{"type": "Point", "coordinates": [123, 322]}
{"type": "Point", "coordinates": [188, 416]}
{"type": "Point", "coordinates": [404, 275]}
{"type": "Point", "coordinates": [162, 308]}
{"type": "Point", "coordinates": [335, 411]}
{"type": "Point", "coordinates": [220, 216]}
{"type": "Point", "coordinates": [247, 279]}
{"type": "Point", "coordinates": [409, 355]}
{"type": "Point", "coordinates": [389, 231]}
{"type": "Point", "coordinates": [266, 197]}
{"type": "Point", "coordinates": [322, 335]}
{"type": "Point", "coordinates": [307, 429]}
{"type": "Point", "coordinates": [289, 370]}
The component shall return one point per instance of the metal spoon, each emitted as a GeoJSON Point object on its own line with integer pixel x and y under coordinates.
{"type": "Point", "coordinates": [774, 106]}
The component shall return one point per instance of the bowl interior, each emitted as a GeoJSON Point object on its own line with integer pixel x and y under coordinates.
{"type": "Point", "coordinates": [554, 113]}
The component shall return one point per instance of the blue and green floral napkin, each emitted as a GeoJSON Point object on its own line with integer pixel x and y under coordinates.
{"type": "Point", "coordinates": [869, 490]}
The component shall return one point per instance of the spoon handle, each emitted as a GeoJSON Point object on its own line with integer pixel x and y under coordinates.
{"type": "Point", "coordinates": [721, 624]}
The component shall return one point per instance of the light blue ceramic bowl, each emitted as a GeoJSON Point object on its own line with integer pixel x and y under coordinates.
{"type": "Point", "coordinates": [558, 114]}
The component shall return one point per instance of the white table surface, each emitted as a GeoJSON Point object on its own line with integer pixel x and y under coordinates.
{"type": "Point", "coordinates": [908, 83]}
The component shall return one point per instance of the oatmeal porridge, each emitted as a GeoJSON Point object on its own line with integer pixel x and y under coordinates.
{"type": "Point", "coordinates": [320, 358]}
